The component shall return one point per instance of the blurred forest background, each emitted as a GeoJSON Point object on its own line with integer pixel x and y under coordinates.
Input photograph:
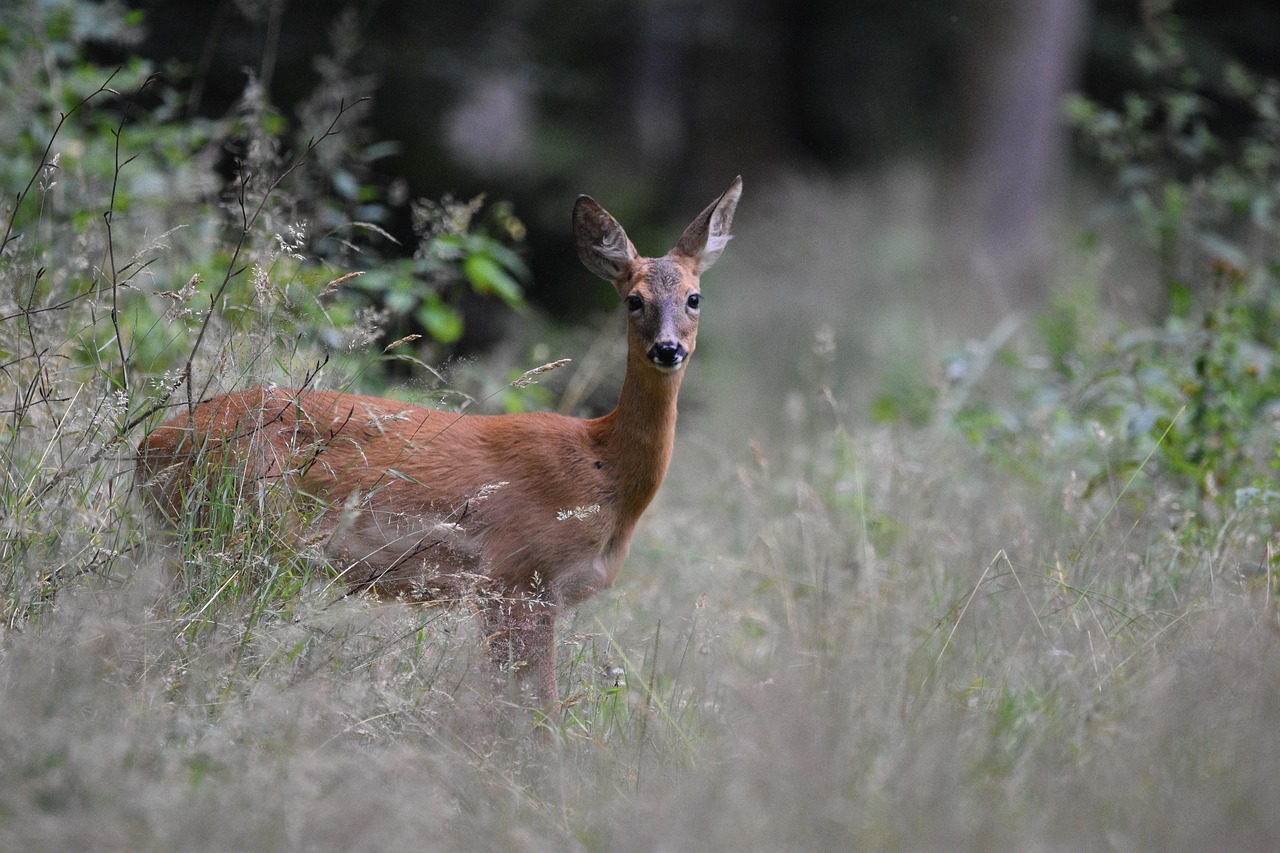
{"type": "Point", "coordinates": [653, 105]}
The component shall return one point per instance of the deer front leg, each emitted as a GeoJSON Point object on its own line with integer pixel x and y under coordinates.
{"type": "Point", "coordinates": [520, 630]}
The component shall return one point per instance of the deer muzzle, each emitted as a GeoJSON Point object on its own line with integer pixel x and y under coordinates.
{"type": "Point", "coordinates": [668, 355]}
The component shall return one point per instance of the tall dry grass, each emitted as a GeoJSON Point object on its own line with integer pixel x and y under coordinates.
{"type": "Point", "coordinates": [830, 634]}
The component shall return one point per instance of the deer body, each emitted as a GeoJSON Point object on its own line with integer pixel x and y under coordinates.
{"type": "Point", "coordinates": [537, 509]}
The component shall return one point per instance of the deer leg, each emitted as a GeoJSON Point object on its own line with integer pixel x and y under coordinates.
{"type": "Point", "coordinates": [520, 631]}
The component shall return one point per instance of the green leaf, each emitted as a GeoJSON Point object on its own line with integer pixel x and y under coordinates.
{"type": "Point", "coordinates": [273, 123]}
{"type": "Point", "coordinates": [400, 300]}
{"type": "Point", "coordinates": [508, 257]}
{"type": "Point", "coordinates": [345, 184]}
{"type": "Point", "coordinates": [442, 322]}
{"type": "Point", "coordinates": [1179, 299]}
{"type": "Point", "coordinates": [445, 247]}
{"type": "Point", "coordinates": [488, 277]}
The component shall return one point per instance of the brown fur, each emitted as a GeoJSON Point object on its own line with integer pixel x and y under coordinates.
{"type": "Point", "coordinates": [540, 508]}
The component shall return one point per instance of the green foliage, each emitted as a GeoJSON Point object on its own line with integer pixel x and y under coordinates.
{"type": "Point", "coordinates": [904, 397]}
{"type": "Point", "coordinates": [123, 207]}
{"type": "Point", "coordinates": [1191, 400]}
{"type": "Point", "coordinates": [1190, 404]}
{"type": "Point", "coordinates": [1198, 195]}
{"type": "Point", "coordinates": [457, 253]}
{"type": "Point", "coordinates": [1202, 383]}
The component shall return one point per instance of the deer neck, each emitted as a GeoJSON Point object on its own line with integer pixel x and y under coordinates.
{"type": "Point", "coordinates": [636, 438]}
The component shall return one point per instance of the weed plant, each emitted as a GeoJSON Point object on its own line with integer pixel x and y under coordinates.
{"type": "Point", "coordinates": [1036, 609]}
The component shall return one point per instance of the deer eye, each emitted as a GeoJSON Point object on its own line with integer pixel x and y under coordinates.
{"type": "Point", "coordinates": [634, 303]}
{"type": "Point", "coordinates": [695, 299]}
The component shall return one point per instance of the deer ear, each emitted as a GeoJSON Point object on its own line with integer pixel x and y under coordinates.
{"type": "Point", "coordinates": [602, 244]}
{"type": "Point", "coordinates": [706, 237]}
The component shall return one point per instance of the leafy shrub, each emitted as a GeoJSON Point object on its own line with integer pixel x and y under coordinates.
{"type": "Point", "coordinates": [1192, 400]}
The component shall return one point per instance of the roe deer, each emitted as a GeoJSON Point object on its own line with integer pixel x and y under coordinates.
{"type": "Point", "coordinates": [538, 509]}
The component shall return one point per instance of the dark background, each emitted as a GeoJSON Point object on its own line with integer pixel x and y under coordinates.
{"type": "Point", "coordinates": [653, 106]}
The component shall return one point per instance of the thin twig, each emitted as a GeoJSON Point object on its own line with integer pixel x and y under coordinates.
{"type": "Point", "coordinates": [107, 216]}
{"type": "Point", "coordinates": [247, 222]}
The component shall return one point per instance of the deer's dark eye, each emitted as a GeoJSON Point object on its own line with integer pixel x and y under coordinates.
{"type": "Point", "coordinates": [634, 303]}
{"type": "Point", "coordinates": [695, 299]}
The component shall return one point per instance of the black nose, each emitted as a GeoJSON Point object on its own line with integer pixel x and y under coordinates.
{"type": "Point", "coordinates": [667, 354]}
